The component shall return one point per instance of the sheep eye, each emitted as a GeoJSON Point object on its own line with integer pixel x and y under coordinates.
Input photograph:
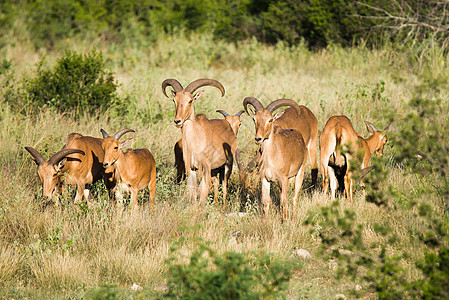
{"type": "Point", "coordinates": [115, 148]}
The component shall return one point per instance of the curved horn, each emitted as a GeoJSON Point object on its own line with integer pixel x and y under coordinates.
{"type": "Point", "coordinates": [62, 154]}
{"type": "Point", "coordinates": [225, 114]}
{"type": "Point", "coordinates": [173, 83]}
{"type": "Point", "coordinates": [193, 86]}
{"type": "Point", "coordinates": [104, 133]}
{"type": "Point", "coordinates": [283, 102]}
{"type": "Point", "coordinates": [254, 102]}
{"type": "Point", "coordinates": [239, 113]}
{"type": "Point", "coordinates": [370, 125]}
{"type": "Point", "coordinates": [38, 158]}
{"type": "Point", "coordinates": [122, 132]}
{"type": "Point", "coordinates": [387, 127]}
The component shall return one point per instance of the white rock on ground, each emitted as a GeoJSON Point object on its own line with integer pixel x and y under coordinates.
{"type": "Point", "coordinates": [136, 287]}
{"type": "Point", "coordinates": [303, 253]}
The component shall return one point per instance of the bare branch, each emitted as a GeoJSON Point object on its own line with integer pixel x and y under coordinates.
{"type": "Point", "coordinates": [434, 21]}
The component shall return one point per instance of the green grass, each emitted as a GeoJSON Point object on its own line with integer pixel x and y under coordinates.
{"type": "Point", "coordinates": [74, 251]}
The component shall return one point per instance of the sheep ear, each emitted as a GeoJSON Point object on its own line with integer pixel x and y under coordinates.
{"type": "Point", "coordinates": [278, 115]}
{"type": "Point", "coordinates": [198, 94]}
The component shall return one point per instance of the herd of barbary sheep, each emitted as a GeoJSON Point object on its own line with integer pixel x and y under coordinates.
{"type": "Point", "coordinates": [285, 139]}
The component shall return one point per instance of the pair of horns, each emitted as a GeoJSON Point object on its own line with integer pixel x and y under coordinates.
{"type": "Point", "coordinates": [118, 135]}
{"type": "Point", "coordinates": [225, 114]}
{"type": "Point", "coordinates": [373, 128]}
{"type": "Point", "coordinates": [254, 102]}
{"type": "Point", "coordinates": [55, 159]}
{"type": "Point", "coordinates": [193, 86]}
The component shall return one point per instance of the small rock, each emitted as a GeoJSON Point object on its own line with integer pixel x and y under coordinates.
{"type": "Point", "coordinates": [136, 287]}
{"type": "Point", "coordinates": [161, 287]}
{"type": "Point", "coordinates": [340, 296]}
{"type": "Point", "coordinates": [358, 287]}
{"type": "Point", "coordinates": [303, 253]}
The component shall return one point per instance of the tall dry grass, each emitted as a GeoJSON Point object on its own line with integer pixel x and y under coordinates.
{"type": "Point", "coordinates": [50, 252]}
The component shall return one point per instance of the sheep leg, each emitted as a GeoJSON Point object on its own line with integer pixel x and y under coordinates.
{"type": "Point", "coordinates": [134, 203]}
{"type": "Point", "coordinates": [348, 185]}
{"type": "Point", "coordinates": [266, 199]}
{"type": "Point", "coordinates": [284, 199]}
{"type": "Point", "coordinates": [298, 183]}
{"type": "Point", "coordinates": [312, 149]}
{"type": "Point", "coordinates": [205, 184]}
{"type": "Point", "coordinates": [152, 188]}
{"type": "Point", "coordinates": [119, 197]}
{"type": "Point", "coordinates": [227, 174]}
{"type": "Point", "coordinates": [79, 192]}
{"type": "Point", "coordinates": [192, 185]}
{"type": "Point", "coordinates": [333, 181]}
{"type": "Point", "coordinates": [215, 183]}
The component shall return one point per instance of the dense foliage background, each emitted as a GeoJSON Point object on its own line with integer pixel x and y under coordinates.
{"type": "Point", "coordinates": [317, 22]}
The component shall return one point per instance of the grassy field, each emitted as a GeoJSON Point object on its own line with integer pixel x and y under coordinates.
{"type": "Point", "coordinates": [73, 251]}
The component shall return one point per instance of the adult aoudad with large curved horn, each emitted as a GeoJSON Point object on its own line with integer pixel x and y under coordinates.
{"type": "Point", "coordinates": [206, 144]}
{"type": "Point", "coordinates": [303, 121]}
{"type": "Point", "coordinates": [282, 152]}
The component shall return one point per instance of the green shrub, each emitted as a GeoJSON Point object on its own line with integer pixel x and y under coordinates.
{"type": "Point", "coordinates": [209, 275]}
{"type": "Point", "coordinates": [77, 83]}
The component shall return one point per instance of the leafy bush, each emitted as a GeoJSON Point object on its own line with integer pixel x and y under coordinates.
{"type": "Point", "coordinates": [77, 83]}
{"type": "Point", "coordinates": [231, 275]}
